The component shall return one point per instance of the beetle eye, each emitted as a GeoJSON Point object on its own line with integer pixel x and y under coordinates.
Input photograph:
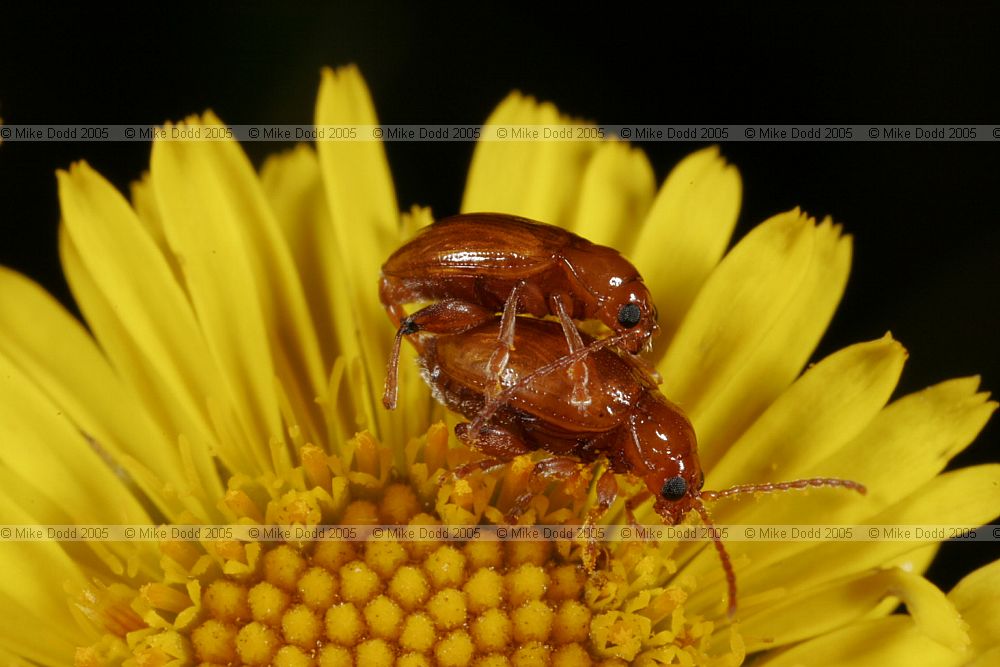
{"type": "Point", "coordinates": [674, 488]}
{"type": "Point", "coordinates": [629, 315]}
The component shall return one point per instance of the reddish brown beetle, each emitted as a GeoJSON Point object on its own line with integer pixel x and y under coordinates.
{"type": "Point", "coordinates": [475, 265]}
{"type": "Point", "coordinates": [629, 424]}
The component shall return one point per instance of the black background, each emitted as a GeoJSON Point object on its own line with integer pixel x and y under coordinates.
{"type": "Point", "coordinates": [924, 216]}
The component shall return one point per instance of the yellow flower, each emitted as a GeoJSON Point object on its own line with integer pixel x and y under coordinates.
{"type": "Point", "coordinates": [231, 375]}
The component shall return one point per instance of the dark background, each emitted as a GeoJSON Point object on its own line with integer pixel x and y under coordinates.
{"type": "Point", "coordinates": [924, 216]}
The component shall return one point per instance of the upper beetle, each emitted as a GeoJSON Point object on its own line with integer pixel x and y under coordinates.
{"type": "Point", "coordinates": [475, 265]}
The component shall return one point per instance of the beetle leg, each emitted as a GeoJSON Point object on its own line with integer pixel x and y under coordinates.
{"type": "Point", "coordinates": [607, 492]}
{"type": "Point", "coordinates": [551, 469]}
{"type": "Point", "coordinates": [496, 441]}
{"type": "Point", "coordinates": [505, 338]}
{"type": "Point", "coordinates": [633, 503]}
{"type": "Point", "coordinates": [450, 316]}
{"type": "Point", "coordinates": [486, 465]}
{"type": "Point", "coordinates": [578, 372]}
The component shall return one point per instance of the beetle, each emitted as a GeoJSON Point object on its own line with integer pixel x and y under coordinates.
{"type": "Point", "coordinates": [629, 425]}
{"type": "Point", "coordinates": [474, 265]}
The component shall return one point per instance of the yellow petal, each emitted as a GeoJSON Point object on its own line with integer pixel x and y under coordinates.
{"type": "Point", "coordinates": [897, 454]}
{"type": "Point", "coordinates": [212, 216]}
{"type": "Point", "coordinates": [977, 597]}
{"type": "Point", "coordinates": [686, 231]}
{"type": "Point", "coordinates": [754, 325]}
{"type": "Point", "coordinates": [805, 613]}
{"type": "Point", "coordinates": [916, 561]}
{"type": "Point", "coordinates": [912, 440]}
{"type": "Point", "coordinates": [886, 641]}
{"type": "Point", "coordinates": [365, 219]}
{"type": "Point", "coordinates": [822, 411]}
{"type": "Point", "coordinates": [989, 658]}
{"type": "Point", "coordinates": [535, 179]}
{"type": "Point", "coordinates": [229, 182]}
{"type": "Point", "coordinates": [617, 191]}
{"type": "Point", "coordinates": [48, 345]}
{"type": "Point", "coordinates": [293, 185]}
{"type": "Point", "coordinates": [35, 572]}
{"type": "Point", "coordinates": [153, 343]}
{"type": "Point", "coordinates": [969, 496]}
{"type": "Point", "coordinates": [37, 622]}
{"type": "Point", "coordinates": [47, 452]}
{"type": "Point", "coordinates": [43, 652]}
{"type": "Point", "coordinates": [33, 633]}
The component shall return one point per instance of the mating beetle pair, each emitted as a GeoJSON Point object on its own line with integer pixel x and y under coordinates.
{"type": "Point", "coordinates": [530, 384]}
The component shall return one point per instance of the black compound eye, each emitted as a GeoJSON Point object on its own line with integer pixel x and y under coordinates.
{"type": "Point", "coordinates": [629, 315]}
{"type": "Point", "coordinates": [674, 488]}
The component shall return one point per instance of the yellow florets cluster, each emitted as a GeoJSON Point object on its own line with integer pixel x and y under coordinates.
{"type": "Point", "coordinates": [384, 602]}
{"type": "Point", "coordinates": [391, 603]}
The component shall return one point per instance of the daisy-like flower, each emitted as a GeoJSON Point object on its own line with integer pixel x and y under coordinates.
{"type": "Point", "coordinates": [232, 372]}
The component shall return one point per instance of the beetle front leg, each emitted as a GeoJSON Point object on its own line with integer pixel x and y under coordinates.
{"type": "Point", "coordinates": [497, 442]}
{"type": "Point", "coordinates": [552, 469]}
{"type": "Point", "coordinates": [578, 372]}
{"type": "Point", "coordinates": [523, 297]}
{"type": "Point", "coordinates": [607, 492]}
{"type": "Point", "coordinates": [450, 316]}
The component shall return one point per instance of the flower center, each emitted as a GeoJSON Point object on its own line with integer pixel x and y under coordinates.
{"type": "Point", "coordinates": [385, 602]}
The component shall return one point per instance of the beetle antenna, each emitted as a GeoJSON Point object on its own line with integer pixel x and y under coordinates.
{"type": "Point", "coordinates": [727, 564]}
{"type": "Point", "coordinates": [391, 393]}
{"type": "Point", "coordinates": [743, 489]}
{"type": "Point", "coordinates": [499, 400]}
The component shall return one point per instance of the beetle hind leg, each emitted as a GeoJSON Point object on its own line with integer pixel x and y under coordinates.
{"type": "Point", "coordinates": [505, 339]}
{"type": "Point", "coordinates": [578, 372]}
{"type": "Point", "coordinates": [498, 443]}
{"type": "Point", "coordinates": [607, 493]}
{"type": "Point", "coordinates": [450, 316]}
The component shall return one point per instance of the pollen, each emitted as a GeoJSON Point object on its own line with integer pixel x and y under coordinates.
{"type": "Point", "coordinates": [484, 590]}
{"type": "Point", "coordinates": [301, 626]}
{"type": "Point", "coordinates": [409, 587]}
{"type": "Point", "coordinates": [376, 653]}
{"type": "Point", "coordinates": [291, 656]}
{"type": "Point", "coordinates": [358, 582]}
{"type": "Point", "coordinates": [384, 557]}
{"type": "Point", "coordinates": [214, 641]}
{"type": "Point", "coordinates": [492, 630]}
{"type": "Point", "coordinates": [418, 633]}
{"type": "Point", "coordinates": [317, 588]}
{"type": "Point", "coordinates": [383, 617]}
{"type": "Point", "coordinates": [399, 504]}
{"type": "Point", "coordinates": [446, 567]}
{"type": "Point", "coordinates": [455, 649]}
{"type": "Point", "coordinates": [447, 608]}
{"type": "Point", "coordinates": [332, 655]}
{"type": "Point", "coordinates": [345, 624]}
{"type": "Point", "coordinates": [528, 582]}
{"type": "Point", "coordinates": [267, 603]}
{"type": "Point", "coordinates": [256, 644]}
{"type": "Point", "coordinates": [283, 566]}
{"type": "Point", "coordinates": [532, 622]}
{"type": "Point", "coordinates": [227, 601]}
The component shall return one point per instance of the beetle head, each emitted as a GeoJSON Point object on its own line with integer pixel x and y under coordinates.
{"type": "Point", "coordinates": [629, 309]}
{"type": "Point", "coordinates": [663, 452]}
{"type": "Point", "coordinates": [613, 292]}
